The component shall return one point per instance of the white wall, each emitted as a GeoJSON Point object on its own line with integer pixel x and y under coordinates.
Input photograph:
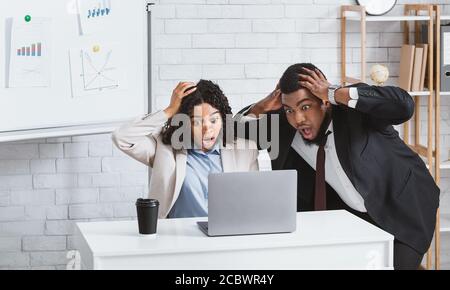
{"type": "Point", "coordinates": [244, 45]}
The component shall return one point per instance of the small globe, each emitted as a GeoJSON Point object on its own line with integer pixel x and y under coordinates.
{"type": "Point", "coordinates": [379, 74]}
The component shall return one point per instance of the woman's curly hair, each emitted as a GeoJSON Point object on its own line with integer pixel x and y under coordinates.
{"type": "Point", "coordinates": [207, 92]}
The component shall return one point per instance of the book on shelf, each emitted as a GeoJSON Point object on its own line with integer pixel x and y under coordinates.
{"type": "Point", "coordinates": [424, 65]}
{"type": "Point", "coordinates": [406, 66]}
{"type": "Point", "coordinates": [417, 69]}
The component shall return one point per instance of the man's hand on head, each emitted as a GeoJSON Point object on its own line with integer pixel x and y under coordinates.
{"type": "Point", "coordinates": [316, 83]}
{"type": "Point", "coordinates": [270, 103]}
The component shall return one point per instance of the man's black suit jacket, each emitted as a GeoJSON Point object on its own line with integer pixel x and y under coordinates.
{"type": "Point", "coordinates": [399, 193]}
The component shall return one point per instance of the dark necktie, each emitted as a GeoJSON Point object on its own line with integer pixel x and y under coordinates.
{"type": "Point", "coordinates": [320, 197]}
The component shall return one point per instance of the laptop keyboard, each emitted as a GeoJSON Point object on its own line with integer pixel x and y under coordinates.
{"type": "Point", "coordinates": [204, 226]}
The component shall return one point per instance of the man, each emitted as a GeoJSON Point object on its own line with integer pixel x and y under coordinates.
{"type": "Point", "coordinates": [348, 155]}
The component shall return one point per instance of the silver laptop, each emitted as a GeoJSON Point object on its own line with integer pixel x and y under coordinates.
{"type": "Point", "coordinates": [247, 203]}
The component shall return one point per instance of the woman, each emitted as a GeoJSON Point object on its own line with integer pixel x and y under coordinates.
{"type": "Point", "coordinates": [180, 176]}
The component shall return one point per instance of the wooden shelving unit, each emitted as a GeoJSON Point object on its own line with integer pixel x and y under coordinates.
{"type": "Point", "coordinates": [437, 155]}
{"type": "Point", "coordinates": [417, 14]}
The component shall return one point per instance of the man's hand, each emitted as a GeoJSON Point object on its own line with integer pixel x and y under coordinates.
{"type": "Point", "coordinates": [182, 90]}
{"type": "Point", "coordinates": [316, 83]}
{"type": "Point", "coordinates": [270, 103]}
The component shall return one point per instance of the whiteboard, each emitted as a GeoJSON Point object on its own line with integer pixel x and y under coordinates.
{"type": "Point", "coordinates": [72, 66]}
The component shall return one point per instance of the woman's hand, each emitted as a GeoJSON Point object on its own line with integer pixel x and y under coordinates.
{"type": "Point", "coordinates": [182, 90]}
{"type": "Point", "coordinates": [316, 83]}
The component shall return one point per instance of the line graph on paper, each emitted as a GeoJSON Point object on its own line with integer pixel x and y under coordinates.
{"type": "Point", "coordinates": [98, 71]}
{"type": "Point", "coordinates": [94, 70]}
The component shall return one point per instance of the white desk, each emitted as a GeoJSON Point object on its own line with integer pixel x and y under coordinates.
{"type": "Point", "coordinates": [323, 240]}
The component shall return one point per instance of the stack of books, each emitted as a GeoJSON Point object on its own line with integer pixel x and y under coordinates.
{"type": "Point", "coordinates": [413, 67]}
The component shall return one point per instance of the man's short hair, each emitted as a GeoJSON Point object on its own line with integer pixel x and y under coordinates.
{"type": "Point", "coordinates": [290, 81]}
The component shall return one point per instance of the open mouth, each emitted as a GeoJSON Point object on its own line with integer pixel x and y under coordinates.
{"type": "Point", "coordinates": [208, 141]}
{"type": "Point", "coordinates": [307, 133]}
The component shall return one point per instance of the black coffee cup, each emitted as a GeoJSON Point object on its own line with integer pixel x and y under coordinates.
{"type": "Point", "coordinates": [147, 214]}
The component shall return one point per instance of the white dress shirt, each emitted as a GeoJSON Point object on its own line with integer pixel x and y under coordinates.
{"type": "Point", "coordinates": [335, 175]}
{"type": "Point", "coordinates": [354, 97]}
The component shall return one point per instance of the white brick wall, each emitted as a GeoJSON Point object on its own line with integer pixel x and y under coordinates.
{"type": "Point", "coordinates": [46, 185]}
{"type": "Point", "coordinates": [44, 243]}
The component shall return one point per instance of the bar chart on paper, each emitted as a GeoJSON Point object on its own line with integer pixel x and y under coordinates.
{"type": "Point", "coordinates": [101, 9]}
{"type": "Point", "coordinates": [33, 50]}
{"type": "Point", "coordinates": [95, 15]}
{"type": "Point", "coordinates": [28, 63]}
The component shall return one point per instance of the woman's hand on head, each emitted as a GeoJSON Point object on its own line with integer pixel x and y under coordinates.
{"type": "Point", "coordinates": [179, 93]}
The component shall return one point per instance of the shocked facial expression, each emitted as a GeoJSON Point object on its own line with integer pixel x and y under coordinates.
{"type": "Point", "coordinates": [206, 124]}
{"type": "Point", "coordinates": [305, 113]}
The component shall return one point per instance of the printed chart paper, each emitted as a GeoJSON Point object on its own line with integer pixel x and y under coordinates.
{"type": "Point", "coordinates": [95, 69]}
{"type": "Point", "coordinates": [30, 55]}
{"type": "Point", "coordinates": [95, 15]}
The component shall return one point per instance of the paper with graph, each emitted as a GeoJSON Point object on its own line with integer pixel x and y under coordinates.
{"type": "Point", "coordinates": [95, 15]}
{"type": "Point", "coordinates": [96, 69]}
{"type": "Point", "coordinates": [29, 56]}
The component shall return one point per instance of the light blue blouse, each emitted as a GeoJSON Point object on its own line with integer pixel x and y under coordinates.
{"type": "Point", "coordinates": [193, 198]}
